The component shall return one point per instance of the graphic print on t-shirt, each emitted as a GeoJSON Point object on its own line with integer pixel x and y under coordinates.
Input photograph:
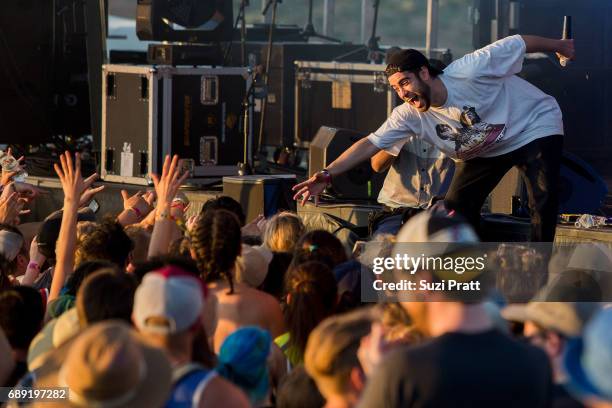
{"type": "Point", "coordinates": [473, 137]}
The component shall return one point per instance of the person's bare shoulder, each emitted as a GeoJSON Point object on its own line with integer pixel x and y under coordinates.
{"type": "Point", "coordinates": [262, 298]}
{"type": "Point", "coordinates": [221, 393]}
{"type": "Point", "coordinates": [270, 309]}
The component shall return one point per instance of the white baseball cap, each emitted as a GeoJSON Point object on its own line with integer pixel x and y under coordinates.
{"type": "Point", "coordinates": [168, 300]}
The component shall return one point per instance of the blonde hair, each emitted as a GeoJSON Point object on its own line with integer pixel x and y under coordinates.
{"type": "Point", "coordinates": [282, 231]}
{"type": "Point", "coordinates": [397, 324]}
{"type": "Point", "coordinates": [83, 229]}
{"type": "Point", "coordinates": [331, 352]}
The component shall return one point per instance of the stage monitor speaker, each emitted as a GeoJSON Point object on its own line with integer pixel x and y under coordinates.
{"type": "Point", "coordinates": [359, 183]}
{"type": "Point", "coordinates": [581, 190]}
{"type": "Point", "coordinates": [261, 194]}
{"type": "Point", "coordinates": [509, 196]}
{"type": "Point", "coordinates": [191, 21]}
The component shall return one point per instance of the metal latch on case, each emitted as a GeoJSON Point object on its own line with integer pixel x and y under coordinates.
{"type": "Point", "coordinates": [209, 90]}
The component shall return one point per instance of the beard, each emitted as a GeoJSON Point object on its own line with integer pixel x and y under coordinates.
{"type": "Point", "coordinates": [423, 96]}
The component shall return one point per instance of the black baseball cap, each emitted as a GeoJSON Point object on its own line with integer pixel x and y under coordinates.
{"type": "Point", "coordinates": [409, 60]}
{"type": "Point", "coordinates": [49, 230]}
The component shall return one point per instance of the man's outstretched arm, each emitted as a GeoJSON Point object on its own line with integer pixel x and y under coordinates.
{"type": "Point", "coordinates": [358, 152]}
{"type": "Point", "coordinates": [534, 43]}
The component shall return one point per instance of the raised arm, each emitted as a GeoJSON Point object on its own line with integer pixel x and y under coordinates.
{"type": "Point", "coordinates": [565, 48]}
{"type": "Point", "coordinates": [74, 186]}
{"type": "Point", "coordinates": [358, 152]}
{"type": "Point", "coordinates": [135, 208]}
{"type": "Point", "coordinates": [166, 188]}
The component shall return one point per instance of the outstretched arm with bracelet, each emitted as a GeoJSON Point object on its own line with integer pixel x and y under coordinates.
{"type": "Point", "coordinates": [357, 153]}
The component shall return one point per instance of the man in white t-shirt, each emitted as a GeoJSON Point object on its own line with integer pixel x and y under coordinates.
{"type": "Point", "coordinates": [479, 113]}
{"type": "Point", "coordinates": [418, 174]}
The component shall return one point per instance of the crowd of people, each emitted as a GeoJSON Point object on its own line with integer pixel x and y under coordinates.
{"type": "Point", "coordinates": [150, 308]}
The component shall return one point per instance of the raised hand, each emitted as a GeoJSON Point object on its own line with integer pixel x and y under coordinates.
{"type": "Point", "coordinates": [89, 194]}
{"type": "Point", "coordinates": [138, 202]}
{"type": "Point", "coordinates": [28, 191]}
{"type": "Point", "coordinates": [566, 50]}
{"type": "Point", "coordinates": [192, 221]}
{"type": "Point", "coordinates": [20, 160]}
{"type": "Point", "coordinates": [35, 255]}
{"type": "Point", "coordinates": [166, 187]}
{"type": "Point", "coordinates": [10, 208]}
{"type": "Point", "coordinates": [69, 173]}
{"type": "Point", "coordinates": [252, 228]}
{"type": "Point", "coordinates": [7, 176]}
{"type": "Point", "coordinates": [36, 261]}
{"type": "Point", "coordinates": [168, 184]}
{"type": "Point", "coordinates": [310, 188]}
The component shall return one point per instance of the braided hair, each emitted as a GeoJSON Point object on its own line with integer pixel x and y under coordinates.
{"type": "Point", "coordinates": [215, 242]}
{"type": "Point", "coordinates": [312, 294]}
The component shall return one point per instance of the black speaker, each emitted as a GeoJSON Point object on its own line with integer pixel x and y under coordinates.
{"type": "Point", "coordinates": [261, 194]}
{"type": "Point", "coordinates": [359, 183]}
{"type": "Point", "coordinates": [193, 21]}
{"type": "Point", "coordinates": [510, 195]}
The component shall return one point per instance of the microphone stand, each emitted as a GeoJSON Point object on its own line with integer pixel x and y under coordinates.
{"type": "Point", "coordinates": [309, 30]}
{"type": "Point", "coordinates": [240, 18]}
{"type": "Point", "coordinates": [266, 76]}
{"type": "Point", "coordinates": [246, 166]}
{"type": "Point", "coordinates": [375, 55]}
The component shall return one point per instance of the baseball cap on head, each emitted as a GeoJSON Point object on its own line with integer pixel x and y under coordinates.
{"type": "Point", "coordinates": [107, 365]}
{"type": "Point", "coordinates": [571, 286]}
{"type": "Point", "coordinates": [435, 234]}
{"type": "Point", "coordinates": [243, 360]}
{"type": "Point", "coordinates": [49, 230]}
{"type": "Point", "coordinates": [566, 318]}
{"type": "Point", "coordinates": [168, 300]}
{"type": "Point", "coordinates": [10, 244]}
{"type": "Point", "coordinates": [54, 334]}
{"type": "Point", "coordinates": [408, 60]}
{"type": "Point", "coordinates": [429, 226]}
{"type": "Point", "coordinates": [252, 265]}
{"type": "Point", "coordinates": [588, 359]}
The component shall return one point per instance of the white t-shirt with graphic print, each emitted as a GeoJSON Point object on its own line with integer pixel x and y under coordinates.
{"type": "Point", "coordinates": [489, 111]}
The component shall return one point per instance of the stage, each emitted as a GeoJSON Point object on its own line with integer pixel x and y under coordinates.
{"type": "Point", "coordinates": [355, 214]}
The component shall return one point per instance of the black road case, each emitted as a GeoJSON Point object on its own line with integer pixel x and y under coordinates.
{"type": "Point", "coordinates": [151, 111]}
{"type": "Point", "coordinates": [340, 95]}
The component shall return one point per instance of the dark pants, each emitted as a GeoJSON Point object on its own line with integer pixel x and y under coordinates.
{"type": "Point", "coordinates": [390, 220]}
{"type": "Point", "coordinates": [538, 163]}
